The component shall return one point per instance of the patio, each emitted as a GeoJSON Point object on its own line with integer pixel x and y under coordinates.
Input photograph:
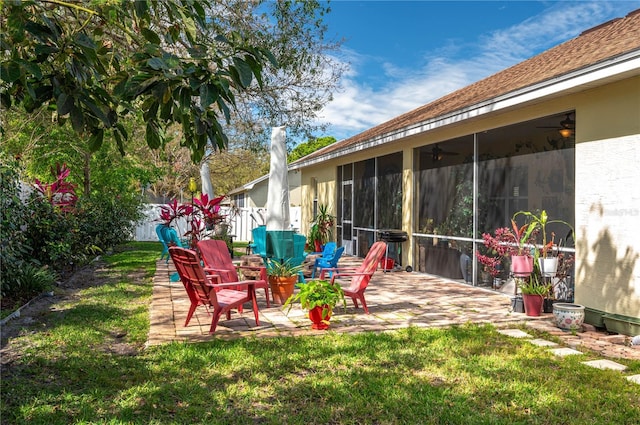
{"type": "Point", "coordinates": [395, 300]}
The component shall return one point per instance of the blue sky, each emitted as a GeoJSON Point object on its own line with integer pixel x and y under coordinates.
{"type": "Point", "coordinates": [404, 54]}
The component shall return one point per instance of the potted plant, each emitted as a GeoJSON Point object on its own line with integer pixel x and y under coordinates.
{"type": "Point", "coordinates": [319, 297]}
{"type": "Point", "coordinates": [534, 292]}
{"type": "Point", "coordinates": [282, 276]}
{"type": "Point", "coordinates": [321, 228]}
{"type": "Point", "coordinates": [514, 244]}
{"type": "Point", "coordinates": [548, 259]}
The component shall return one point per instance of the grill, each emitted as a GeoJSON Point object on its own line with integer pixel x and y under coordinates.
{"type": "Point", "coordinates": [393, 236]}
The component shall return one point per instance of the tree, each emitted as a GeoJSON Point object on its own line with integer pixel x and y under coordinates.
{"type": "Point", "coordinates": [305, 79]}
{"type": "Point", "coordinates": [202, 65]}
{"type": "Point", "coordinates": [96, 62]}
{"type": "Point", "coordinates": [304, 149]}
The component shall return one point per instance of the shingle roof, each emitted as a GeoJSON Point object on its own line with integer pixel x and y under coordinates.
{"type": "Point", "coordinates": [601, 43]}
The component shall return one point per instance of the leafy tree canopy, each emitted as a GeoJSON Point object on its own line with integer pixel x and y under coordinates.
{"type": "Point", "coordinates": [95, 62]}
{"type": "Point", "coordinates": [223, 71]}
{"type": "Point", "coordinates": [304, 149]}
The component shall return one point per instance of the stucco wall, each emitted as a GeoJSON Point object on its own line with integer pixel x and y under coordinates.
{"type": "Point", "coordinates": [608, 199]}
{"type": "Point", "coordinates": [325, 175]}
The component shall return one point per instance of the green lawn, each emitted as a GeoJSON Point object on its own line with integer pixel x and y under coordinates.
{"type": "Point", "coordinates": [88, 365]}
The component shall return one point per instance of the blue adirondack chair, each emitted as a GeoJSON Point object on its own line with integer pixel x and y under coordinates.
{"type": "Point", "coordinates": [168, 237]}
{"type": "Point", "coordinates": [327, 262]}
{"type": "Point", "coordinates": [259, 245]}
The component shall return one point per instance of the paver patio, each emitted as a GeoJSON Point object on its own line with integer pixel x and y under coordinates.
{"type": "Point", "coordinates": [395, 299]}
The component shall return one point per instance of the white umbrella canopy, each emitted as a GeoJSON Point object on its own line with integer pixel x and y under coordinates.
{"type": "Point", "coordinates": [278, 188]}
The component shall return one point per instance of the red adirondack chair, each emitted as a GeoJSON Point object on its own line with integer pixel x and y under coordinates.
{"type": "Point", "coordinates": [205, 289]}
{"type": "Point", "coordinates": [217, 260]}
{"type": "Point", "coordinates": [359, 276]}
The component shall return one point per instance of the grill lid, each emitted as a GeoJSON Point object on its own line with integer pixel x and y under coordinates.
{"type": "Point", "coordinates": [390, 235]}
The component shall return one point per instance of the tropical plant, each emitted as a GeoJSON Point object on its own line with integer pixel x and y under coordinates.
{"type": "Point", "coordinates": [491, 265]}
{"type": "Point", "coordinates": [317, 293]}
{"type": "Point", "coordinates": [61, 193]}
{"type": "Point", "coordinates": [284, 268]}
{"type": "Point", "coordinates": [541, 221]}
{"type": "Point", "coordinates": [321, 227]}
{"type": "Point", "coordinates": [533, 285]}
{"type": "Point", "coordinates": [506, 242]}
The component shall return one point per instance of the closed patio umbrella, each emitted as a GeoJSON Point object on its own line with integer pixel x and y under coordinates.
{"type": "Point", "coordinates": [278, 188]}
{"type": "Point", "coordinates": [279, 235]}
{"type": "Point", "coordinates": [205, 178]}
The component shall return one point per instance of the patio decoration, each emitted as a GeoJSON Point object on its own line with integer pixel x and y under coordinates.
{"type": "Point", "coordinates": [513, 244]}
{"type": "Point", "coordinates": [548, 254]}
{"type": "Point", "coordinates": [321, 229]}
{"type": "Point", "coordinates": [568, 316]}
{"type": "Point", "coordinates": [283, 276]}
{"type": "Point", "coordinates": [319, 297]}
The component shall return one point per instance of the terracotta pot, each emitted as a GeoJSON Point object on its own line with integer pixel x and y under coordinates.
{"type": "Point", "coordinates": [319, 322]}
{"type": "Point", "coordinates": [521, 265]}
{"type": "Point", "coordinates": [532, 304]}
{"type": "Point", "coordinates": [317, 245]}
{"type": "Point", "coordinates": [282, 288]}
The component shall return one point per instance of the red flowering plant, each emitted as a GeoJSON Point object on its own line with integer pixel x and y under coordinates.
{"type": "Point", "coordinates": [506, 242]}
{"type": "Point", "coordinates": [61, 193]}
{"type": "Point", "coordinates": [209, 209]}
{"type": "Point", "coordinates": [491, 265]}
{"type": "Point", "coordinates": [173, 211]}
{"type": "Point", "coordinates": [202, 216]}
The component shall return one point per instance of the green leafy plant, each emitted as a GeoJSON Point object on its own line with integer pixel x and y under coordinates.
{"type": "Point", "coordinates": [321, 227]}
{"type": "Point", "coordinates": [533, 286]}
{"type": "Point", "coordinates": [541, 221]}
{"type": "Point", "coordinates": [317, 293]}
{"type": "Point", "coordinates": [282, 268]}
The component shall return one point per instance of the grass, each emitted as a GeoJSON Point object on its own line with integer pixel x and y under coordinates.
{"type": "Point", "coordinates": [70, 372]}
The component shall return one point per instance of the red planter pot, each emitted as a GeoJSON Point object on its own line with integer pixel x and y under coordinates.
{"type": "Point", "coordinates": [521, 265]}
{"type": "Point", "coordinates": [532, 304]}
{"type": "Point", "coordinates": [319, 322]}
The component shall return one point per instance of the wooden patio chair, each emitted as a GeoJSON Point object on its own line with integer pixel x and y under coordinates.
{"type": "Point", "coordinates": [359, 276]}
{"type": "Point", "coordinates": [205, 289]}
{"type": "Point", "coordinates": [217, 260]}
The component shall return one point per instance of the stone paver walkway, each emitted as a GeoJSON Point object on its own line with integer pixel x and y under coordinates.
{"type": "Point", "coordinates": [395, 299]}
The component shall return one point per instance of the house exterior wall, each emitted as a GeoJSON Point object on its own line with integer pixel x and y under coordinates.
{"type": "Point", "coordinates": [325, 175]}
{"type": "Point", "coordinates": [257, 195]}
{"type": "Point", "coordinates": [607, 195]}
{"type": "Point", "coordinates": [608, 199]}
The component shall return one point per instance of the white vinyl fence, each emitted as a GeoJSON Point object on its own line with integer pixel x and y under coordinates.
{"type": "Point", "coordinates": [241, 222]}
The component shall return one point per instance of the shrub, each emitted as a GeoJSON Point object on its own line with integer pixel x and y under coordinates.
{"type": "Point", "coordinates": [40, 236]}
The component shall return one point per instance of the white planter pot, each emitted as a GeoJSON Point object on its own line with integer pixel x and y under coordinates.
{"type": "Point", "coordinates": [548, 266]}
{"type": "Point", "coordinates": [568, 316]}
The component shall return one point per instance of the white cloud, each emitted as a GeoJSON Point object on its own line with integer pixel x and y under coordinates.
{"type": "Point", "coordinates": [360, 106]}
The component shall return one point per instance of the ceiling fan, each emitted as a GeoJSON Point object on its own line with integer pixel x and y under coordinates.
{"type": "Point", "coordinates": [567, 126]}
{"type": "Point", "coordinates": [437, 154]}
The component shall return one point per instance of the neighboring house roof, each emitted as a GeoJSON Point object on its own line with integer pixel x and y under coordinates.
{"type": "Point", "coordinates": [249, 185]}
{"type": "Point", "coordinates": [611, 43]}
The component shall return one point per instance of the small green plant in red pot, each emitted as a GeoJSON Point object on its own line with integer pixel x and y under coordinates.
{"type": "Point", "coordinates": [319, 297]}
